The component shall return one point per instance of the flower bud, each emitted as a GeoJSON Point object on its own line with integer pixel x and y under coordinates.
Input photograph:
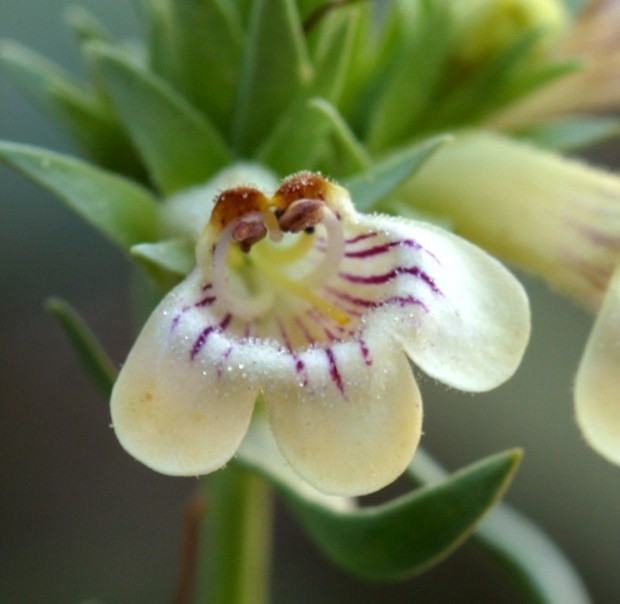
{"type": "Point", "coordinates": [488, 27]}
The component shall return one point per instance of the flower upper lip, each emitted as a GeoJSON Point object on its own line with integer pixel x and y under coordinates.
{"type": "Point", "coordinates": [320, 327]}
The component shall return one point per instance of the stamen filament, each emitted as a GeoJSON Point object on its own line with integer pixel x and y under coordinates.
{"type": "Point", "coordinates": [246, 309]}
{"type": "Point", "coordinates": [329, 266]}
{"type": "Point", "coordinates": [271, 222]}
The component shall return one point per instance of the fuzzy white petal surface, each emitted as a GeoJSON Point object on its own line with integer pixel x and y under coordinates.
{"type": "Point", "coordinates": [173, 413]}
{"type": "Point", "coordinates": [355, 426]}
{"type": "Point", "coordinates": [458, 313]}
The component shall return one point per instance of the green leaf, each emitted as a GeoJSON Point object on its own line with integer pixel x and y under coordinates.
{"type": "Point", "coordinates": [349, 155]}
{"type": "Point", "coordinates": [73, 106]}
{"type": "Point", "coordinates": [414, 77]}
{"type": "Point", "coordinates": [301, 137]}
{"type": "Point", "coordinates": [244, 7]}
{"type": "Point", "coordinates": [209, 37]}
{"type": "Point", "coordinates": [334, 54]}
{"type": "Point", "coordinates": [95, 363]}
{"type": "Point", "coordinates": [160, 39]}
{"type": "Point", "coordinates": [307, 7]}
{"type": "Point", "coordinates": [85, 25]}
{"type": "Point", "coordinates": [483, 93]}
{"type": "Point", "coordinates": [167, 262]}
{"type": "Point", "coordinates": [372, 55]}
{"type": "Point", "coordinates": [369, 188]}
{"type": "Point", "coordinates": [537, 565]}
{"type": "Point", "coordinates": [275, 68]}
{"type": "Point", "coordinates": [391, 541]}
{"type": "Point", "coordinates": [123, 210]}
{"type": "Point", "coordinates": [298, 140]}
{"type": "Point", "coordinates": [178, 145]}
{"type": "Point", "coordinates": [536, 76]}
{"type": "Point", "coordinates": [571, 133]}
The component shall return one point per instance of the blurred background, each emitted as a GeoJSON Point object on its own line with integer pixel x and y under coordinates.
{"type": "Point", "coordinates": [80, 519]}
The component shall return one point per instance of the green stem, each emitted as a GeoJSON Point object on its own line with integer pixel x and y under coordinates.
{"type": "Point", "coordinates": [236, 539]}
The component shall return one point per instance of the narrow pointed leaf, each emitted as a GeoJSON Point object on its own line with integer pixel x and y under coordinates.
{"type": "Point", "coordinates": [307, 7]}
{"type": "Point", "coordinates": [369, 188]}
{"type": "Point", "coordinates": [275, 68]}
{"type": "Point", "coordinates": [572, 133]}
{"type": "Point", "coordinates": [160, 39]}
{"type": "Point", "coordinates": [85, 26]}
{"type": "Point", "coordinates": [413, 78]}
{"type": "Point", "coordinates": [73, 106]}
{"type": "Point", "coordinates": [484, 93]}
{"type": "Point", "coordinates": [298, 140]}
{"type": "Point", "coordinates": [391, 541]}
{"type": "Point", "coordinates": [243, 7]}
{"type": "Point", "coordinates": [351, 156]}
{"type": "Point", "coordinates": [334, 54]}
{"type": "Point", "coordinates": [167, 262]}
{"type": "Point", "coordinates": [39, 77]}
{"type": "Point", "coordinates": [177, 143]}
{"type": "Point", "coordinates": [537, 76]}
{"type": "Point", "coordinates": [208, 37]}
{"type": "Point", "coordinates": [535, 564]}
{"type": "Point", "coordinates": [121, 209]}
{"type": "Point", "coordinates": [95, 363]}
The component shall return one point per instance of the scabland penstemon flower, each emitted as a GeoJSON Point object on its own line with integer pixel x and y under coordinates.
{"type": "Point", "coordinates": [298, 297]}
{"type": "Point", "coordinates": [558, 218]}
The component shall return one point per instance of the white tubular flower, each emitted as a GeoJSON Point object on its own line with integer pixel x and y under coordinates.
{"type": "Point", "coordinates": [317, 307]}
{"type": "Point", "coordinates": [597, 387]}
{"type": "Point", "coordinates": [556, 217]}
{"type": "Point", "coordinates": [595, 36]}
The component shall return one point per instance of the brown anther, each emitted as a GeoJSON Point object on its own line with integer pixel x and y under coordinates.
{"type": "Point", "coordinates": [304, 185]}
{"type": "Point", "coordinates": [235, 203]}
{"type": "Point", "coordinates": [248, 230]}
{"type": "Point", "coordinates": [301, 215]}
